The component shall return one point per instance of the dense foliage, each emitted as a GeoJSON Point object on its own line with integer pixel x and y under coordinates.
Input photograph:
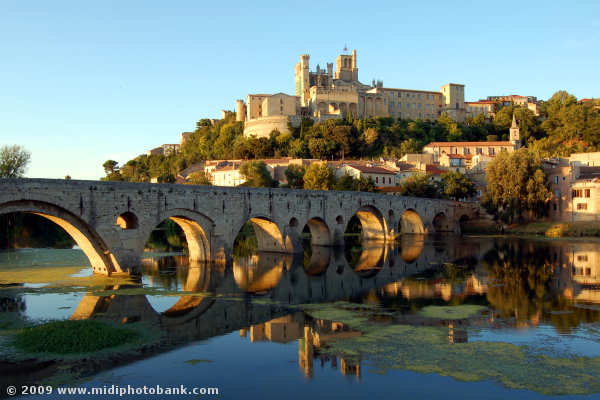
{"type": "Point", "coordinates": [516, 184]}
{"type": "Point", "coordinates": [565, 126]}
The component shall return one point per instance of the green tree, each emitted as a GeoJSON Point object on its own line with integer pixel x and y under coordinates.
{"type": "Point", "coordinates": [516, 183]}
{"type": "Point", "coordinates": [200, 178]}
{"type": "Point", "coordinates": [295, 176]}
{"type": "Point", "coordinates": [318, 177]}
{"type": "Point", "coordinates": [256, 174]}
{"type": "Point", "coordinates": [110, 166]}
{"type": "Point", "coordinates": [419, 185]}
{"type": "Point", "coordinates": [321, 148]}
{"type": "Point", "coordinates": [14, 161]}
{"type": "Point", "coordinates": [366, 185]}
{"type": "Point", "coordinates": [345, 183]}
{"type": "Point", "coordinates": [457, 185]}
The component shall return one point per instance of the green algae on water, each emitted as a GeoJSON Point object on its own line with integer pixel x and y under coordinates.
{"type": "Point", "coordinates": [451, 312]}
{"type": "Point", "coordinates": [72, 337]}
{"type": "Point", "coordinates": [428, 349]}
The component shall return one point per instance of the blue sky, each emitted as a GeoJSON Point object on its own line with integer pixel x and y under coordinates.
{"type": "Point", "coordinates": [86, 81]}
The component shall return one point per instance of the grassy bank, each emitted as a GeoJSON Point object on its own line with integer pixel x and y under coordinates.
{"type": "Point", "coordinates": [549, 229]}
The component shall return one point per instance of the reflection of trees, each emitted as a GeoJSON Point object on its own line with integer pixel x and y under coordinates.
{"type": "Point", "coordinates": [245, 242]}
{"type": "Point", "coordinates": [167, 236]}
{"type": "Point", "coordinates": [564, 316]}
{"type": "Point", "coordinates": [523, 278]}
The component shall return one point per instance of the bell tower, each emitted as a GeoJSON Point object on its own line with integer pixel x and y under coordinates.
{"type": "Point", "coordinates": [515, 133]}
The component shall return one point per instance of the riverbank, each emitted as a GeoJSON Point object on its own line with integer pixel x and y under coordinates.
{"type": "Point", "coordinates": [548, 229]}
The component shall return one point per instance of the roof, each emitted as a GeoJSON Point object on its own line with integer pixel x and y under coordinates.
{"type": "Point", "coordinates": [372, 170]}
{"type": "Point", "coordinates": [589, 173]}
{"type": "Point", "coordinates": [463, 144]}
{"type": "Point", "coordinates": [191, 169]}
{"type": "Point", "coordinates": [456, 156]}
{"type": "Point", "coordinates": [434, 169]}
{"type": "Point", "coordinates": [409, 90]}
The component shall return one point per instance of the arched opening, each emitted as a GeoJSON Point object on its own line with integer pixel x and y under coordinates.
{"type": "Point", "coordinates": [343, 109]}
{"type": "Point", "coordinates": [411, 223]}
{"type": "Point", "coordinates": [353, 109]}
{"type": "Point", "coordinates": [339, 220]}
{"type": "Point", "coordinates": [261, 234]}
{"type": "Point", "coordinates": [322, 108]}
{"type": "Point", "coordinates": [181, 231]}
{"type": "Point", "coordinates": [441, 223]}
{"type": "Point", "coordinates": [82, 234]}
{"type": "Point", "coordinates": [463, 222]}
{"type": "Point", "coordinates": [128, 220]}
{"type": "Point", "coordinates": [316, 232]}
{"type": "Point", "coordinates": [372, 223]}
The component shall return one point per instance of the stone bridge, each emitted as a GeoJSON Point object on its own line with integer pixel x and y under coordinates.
{"type": "Point", "coordinates": [112, 221]}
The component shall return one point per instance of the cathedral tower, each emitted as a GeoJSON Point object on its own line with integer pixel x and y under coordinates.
{"type": "Point", "coordinates": [515, 133]}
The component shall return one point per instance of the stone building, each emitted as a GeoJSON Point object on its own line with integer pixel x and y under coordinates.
{"type": "Point", "coordinates": [575, 186]}
{"type": "Point", "coordinates": [327, 93]}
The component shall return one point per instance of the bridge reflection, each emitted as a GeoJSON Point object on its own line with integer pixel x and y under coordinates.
{"type": "Point", "coordinates": [261, 294]}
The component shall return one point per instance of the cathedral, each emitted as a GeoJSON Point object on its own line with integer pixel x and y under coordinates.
{"type": "Point", "coordinates": [327, 93]}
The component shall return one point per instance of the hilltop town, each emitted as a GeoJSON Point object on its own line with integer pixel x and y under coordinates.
{"type": "Point", "coordinates": [400, 141]}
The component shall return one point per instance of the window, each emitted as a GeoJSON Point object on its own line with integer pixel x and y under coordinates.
{"type": "Point", "coordinates": [466, 151]}
{"type": "Point", "coordinates": [576, 193]}
{"type": "Point", "coordinates": [399, 104]}
{"type": "Point", "coordinates": [557, 193]}
{"type": "Point", "coordinates": [582, 258]}
{"type": "Point", "coordinates": [554, 205]}
{"type": "Point", "coordinates": [556, 179]}
{"type": "Point", "coordinates": [478, 150]}
{"type": "Point", "coordinates": [376, 179]}
{"type": "Point", "coordinates": [491, 151]}
{"type": "Point", "coordinates": [582, 206]}
{"type": "Point", "coordinates": [587, 193]}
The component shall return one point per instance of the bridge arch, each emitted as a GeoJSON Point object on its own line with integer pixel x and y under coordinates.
{"type": "Point", "coordinates": [196, 228]}
{"type": "Point", "coordinates": [411, 223]}
{"type": "Point", "coordinates": [268, 235]}
{"type": "Point", "coordinates": [372, 222]}
{"type": "Point", "coordinates": [101, 259]}
{"type": "Point", "coordinates": [319, 231]}
{"type": "Point", "coordinates": [441, 223]}
{"type": "Point", "coordinates": [128, 220]}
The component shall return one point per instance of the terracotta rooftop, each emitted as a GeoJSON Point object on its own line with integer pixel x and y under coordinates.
{"type": "Point", "coordinates": [434, 169]}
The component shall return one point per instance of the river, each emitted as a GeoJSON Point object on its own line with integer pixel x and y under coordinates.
{"type": "Point", "coordinates": [429, 317]}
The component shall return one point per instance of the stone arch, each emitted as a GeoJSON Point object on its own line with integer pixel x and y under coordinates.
{"type": "Point", "coordinates": [101, 259]}
{"type": "Point", "coordinates": [268, 235]}
{"type": "Point", "coordinates": [319, 231]}
{"type": "Point", "coordinates": [379, 106]}
{"type": "Point", "coordinates": [353, 109]}
{"type": "Point", "coordinates": [322, 107]}
{"type": "Point", "coordinates": [373, 223]}
{"type": "Point", "coordinates": [195, 227]}
{"type": "Point", "coordinates": [369, 107]}
{"type": "Point", "coordinates": [128, 220]}
{"type": "Point", "coordinates": [411, 223]}
{"type": "Point", "coordinates": [441, 223]}
{"type": "Point", "coordinates": [343, 108]}
{"type": "Point", "coordinates": [333, 107]}
{"type": "Point", "coordinates": [463, 218]}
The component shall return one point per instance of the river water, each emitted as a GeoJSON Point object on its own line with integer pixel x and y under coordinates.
{"type": "Point", "coordinates": [429, 317]}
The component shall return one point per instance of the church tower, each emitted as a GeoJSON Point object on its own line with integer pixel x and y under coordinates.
{"type": "Point", "coordinates": [515, 133]}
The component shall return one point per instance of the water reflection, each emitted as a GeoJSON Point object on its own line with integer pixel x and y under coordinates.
{"type": "Point", "coordinates": [523, 283]}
